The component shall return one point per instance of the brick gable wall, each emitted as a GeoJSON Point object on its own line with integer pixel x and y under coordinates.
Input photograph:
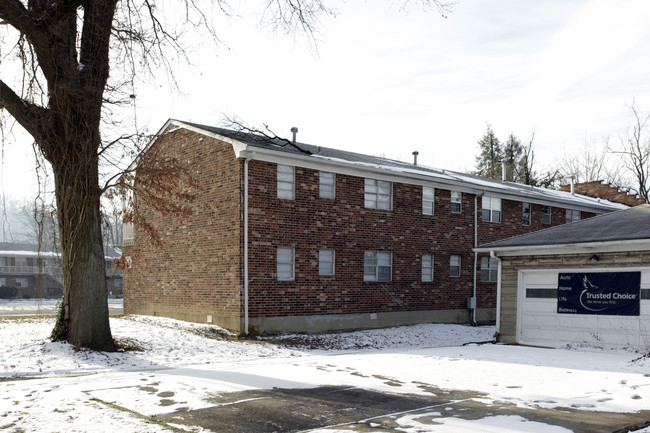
{"type": "Point", "coordinates": [198, 270]}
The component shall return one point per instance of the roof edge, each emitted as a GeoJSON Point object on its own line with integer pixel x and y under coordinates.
{"type": "Point", "coordinates": [569, 248]}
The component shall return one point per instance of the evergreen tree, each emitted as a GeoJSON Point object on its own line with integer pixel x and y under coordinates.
{"type": "Point", "coordinates": [512, 154]}
{"type": "Point", "coordinates": [488, 163]}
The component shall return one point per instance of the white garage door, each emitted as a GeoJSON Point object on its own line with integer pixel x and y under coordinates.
{"type": "Point", "coordinates": [538, 322]}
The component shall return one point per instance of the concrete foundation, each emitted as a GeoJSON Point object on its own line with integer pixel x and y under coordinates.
{"type": "Point", "coordinates": [349, 322]}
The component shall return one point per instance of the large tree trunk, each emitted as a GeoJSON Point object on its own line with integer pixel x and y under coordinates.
{"type": "Point", "coordinates": [83, 319]}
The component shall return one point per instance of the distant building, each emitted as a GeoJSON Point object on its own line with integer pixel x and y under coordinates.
{"type": "Point", "coordinates": [285, 236]}
{"type": "Point", "coordinates": [605, 191]}
{"type": "Point", "coordinates": [29, 272]}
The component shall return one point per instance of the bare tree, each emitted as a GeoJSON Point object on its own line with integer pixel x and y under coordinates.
{"type": "Point", "coordinates": [590, 162]}
{"type": "Point", "coordinates": [525, 171]}
{"type": "Point", "coordinates": [66, 50]}
{"type": "Point", "coordinates": [634, 153]}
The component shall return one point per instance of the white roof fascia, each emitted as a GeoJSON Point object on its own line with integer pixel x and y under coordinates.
{"type": "Point", "coordinates": [565, 203]}
{"type": "Point", "coordinates": [575, 248]}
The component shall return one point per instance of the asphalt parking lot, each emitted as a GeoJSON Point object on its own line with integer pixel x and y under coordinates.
{"type": "Point", "coordinates": [299, 410]}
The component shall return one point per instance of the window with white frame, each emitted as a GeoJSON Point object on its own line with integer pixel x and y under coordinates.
{"type": "Point", "coordinates": [8, 261]}
{"type": "Point", "coordinates": [489, 269]}
{"type": "Point", "coordinates": [378, 194]}
{"type": "Point", "coordinates": [377, 266]}
{"type": "Point", "coordinates": [285, 263]}
{"type": "Point", "coordinates": [21, 282]}
{"type": "Point", "coordinates": [525, 217]}
{"type": "Point", "coordinates": [286, 182]}
{"type": "Point", "coordinates": [428, 197]}
{"type": "Point", "coordinates": [327, 185]}
{"type": "Point", "coordinates": [454, 265]}
{"type": "Point", "coordinates": [456, 201]}
{"type": "Point", "coordinates": [427, 267]}
{"type": "Point", "coordinates": [572, 215]}
{"type": "Point", "coordinates": [546, 215]}
{"type": "Point", "coordinates": [3, 282]}
{"type": "Point", "coordinates": [325, 261]}
{"type": "Point", "coordinates": [491, 209]}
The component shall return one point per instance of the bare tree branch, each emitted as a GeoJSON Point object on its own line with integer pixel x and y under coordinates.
{"type": "Point", "coordinates": [634, 152]}
{"type": "Point", "coordinates": [28, 115]}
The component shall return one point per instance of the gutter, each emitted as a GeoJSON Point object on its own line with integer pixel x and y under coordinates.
{"type": "Point", "coordinates": [474, 289]}
{"type": "Point", "coordinates": [569, 248]}
{"type": "Point", "coordinates": [498, 318]}
{"type": "Point", "coordinates": [246, 244]}
{"type": "Point", "coordinates": [448, 180]}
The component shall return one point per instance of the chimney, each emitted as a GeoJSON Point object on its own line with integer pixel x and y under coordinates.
{"type": "Point", "coordinates": [415, 157]}
{"type": "Point", "coordinates": [503, 170]}
{"type": "Point", "coordinates": [573, 187]}
{"type": "Point", "coordinates": [295, 131]}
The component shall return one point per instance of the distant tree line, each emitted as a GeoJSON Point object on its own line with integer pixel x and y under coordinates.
{"type": "Point", "coordinates": [623, 163]}
{"type": "Point", "coordinates": [515, 157]}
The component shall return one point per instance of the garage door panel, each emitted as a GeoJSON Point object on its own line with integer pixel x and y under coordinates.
{"type": "Point", "coordinates": [544, 337]}
{"type": "Point", "coordinates": [540, 324]}
{"type": "Point", "coordinates": [609, 338]}
{"type": "Point", "coordinates": [617, 322]}
{"type": "Point", "coordinates": [540, 306]}
{"type": "Point", "coordinates": [576, 321]}
{"type": "Point", "coordinates": [645, 308]}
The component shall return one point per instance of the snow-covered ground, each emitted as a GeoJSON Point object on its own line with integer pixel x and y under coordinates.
{"type": "Point", "coordinates": [181, 366]}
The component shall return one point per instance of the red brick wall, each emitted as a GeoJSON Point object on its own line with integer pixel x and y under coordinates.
{"type": "Point", "coordinates": [511, 225]}
{"type": "Point", "coordinates": [602, 190]}
{"type": "Point", "coordinates": [198, 270]}
{"type": "Point", "coordinates": [309, 223]}
{"type": "Point", "coordinates": [343, 224]}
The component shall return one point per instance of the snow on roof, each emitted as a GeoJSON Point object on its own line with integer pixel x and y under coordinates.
{"type": "Point", "coordinates": [632, 224]}
{"type": "Point", "coordinates": [304, 151]}
{"type": "Point", "coordinates": [6, 253]}
{"type": "Point", "coordinates": [33, 250]}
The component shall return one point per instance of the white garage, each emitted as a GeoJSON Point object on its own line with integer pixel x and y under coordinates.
{"type": "Point", "coordinates": [540, 323]}
{"type": "Point", "coordinates": [586, 282]}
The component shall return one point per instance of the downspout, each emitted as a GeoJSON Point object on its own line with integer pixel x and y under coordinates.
{"type": "Point", "coordinates": [474, 289]}
{"type": "Point", "coordinates": [498, 318]}
{"type": "Point", "coordinates": [246, 245]}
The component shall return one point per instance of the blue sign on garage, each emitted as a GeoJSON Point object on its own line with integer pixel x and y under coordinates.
{"type": "Point", "coordinates": [604, 293]}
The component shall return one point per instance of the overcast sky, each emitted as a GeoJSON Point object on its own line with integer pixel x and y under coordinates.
{"type": "Point", "coordinates": [387, 82]}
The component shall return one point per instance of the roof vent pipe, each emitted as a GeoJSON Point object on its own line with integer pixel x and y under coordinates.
{"type": "Point", "coordinates": [295, 131]}
{"type": "Point", "coordinates": [415, 157]}
{"type": "Point", "coordinates": [503, 170]}
{"type": "Point", "coordinates": [573, 187]}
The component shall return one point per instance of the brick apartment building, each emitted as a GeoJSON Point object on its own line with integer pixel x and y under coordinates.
{"type": "Point", "coordinates": [290, 237]}
{"type": "Point", "coordinates": [603, 190]}
{"type": "Point", "coordinates": [30, 271]}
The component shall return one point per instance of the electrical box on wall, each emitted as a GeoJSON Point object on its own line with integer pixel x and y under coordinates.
{"type": "Point", "coordinates": [471, 303]}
